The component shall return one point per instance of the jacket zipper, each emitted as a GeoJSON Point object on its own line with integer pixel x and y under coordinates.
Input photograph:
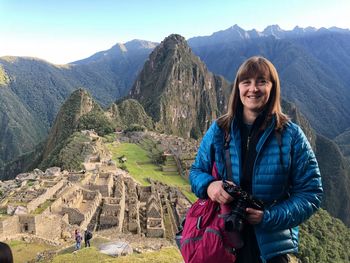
{"type": "Point", "coordinates": [248, 142]}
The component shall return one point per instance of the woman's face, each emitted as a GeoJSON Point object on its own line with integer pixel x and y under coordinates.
{"type": "Point", "coordinates": [254, 94]}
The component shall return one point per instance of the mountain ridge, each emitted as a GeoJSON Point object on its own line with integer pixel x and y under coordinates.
{"type": "Point", "coordinates": [236, 33]}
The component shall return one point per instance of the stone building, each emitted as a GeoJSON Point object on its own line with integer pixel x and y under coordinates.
{"type": "Point", "coordinates": [113, 209]}
{"type": "Point", "coordinates": [44, 226]}
{"type": "Point", "coordinates": [132, 207]}
{"type": "Point", "coordinates": [80, 205]}
{"type": "Point", "coordinates": [102, 182]}
{"type": "Point", "coordinates": [155, 224]}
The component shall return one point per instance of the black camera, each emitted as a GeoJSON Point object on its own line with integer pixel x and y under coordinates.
{"type": "Point", "coordinates": [241, 200]}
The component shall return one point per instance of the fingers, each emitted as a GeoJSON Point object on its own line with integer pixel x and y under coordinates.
{"type": "Point", "coordinates": [217, 193]}
{"type": "Point", "coordinates": [224, 198]}
{"type": "Point", "coordinates": [254, 216]}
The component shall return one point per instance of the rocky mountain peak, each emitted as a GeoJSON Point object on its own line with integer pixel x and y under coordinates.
{"type": "Point", "coordinates": [274, 30]}
{"type": "Point", "coordinates": [171, 43]}
{"type": "Point", "coordinates": [172, 69]}
{"type": "Point", "coordinates": [174, 38]}
{"type": "Point", "coordinates": [78, 104]}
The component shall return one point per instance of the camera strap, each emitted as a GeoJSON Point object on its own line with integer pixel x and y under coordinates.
{"type": "Point", "coordinates": [228, 164]}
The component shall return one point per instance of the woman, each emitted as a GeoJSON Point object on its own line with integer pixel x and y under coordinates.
{"type": "Point", "coordinates": [270, 158]}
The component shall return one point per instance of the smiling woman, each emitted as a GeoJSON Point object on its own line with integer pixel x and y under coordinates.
{"type": "Point", "coordinates": [257, 147]}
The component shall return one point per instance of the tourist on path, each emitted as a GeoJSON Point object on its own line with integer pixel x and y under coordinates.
{"type": "Point", "coordinates": [78, 239]}
{"type": "Point", "coordinates": [87, 237]}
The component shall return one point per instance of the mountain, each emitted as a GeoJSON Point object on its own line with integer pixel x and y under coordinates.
{"type": "Point", "coordinates": [127, 113]}
{"type": "Point", "coordinates": [33, 90]}
{"type": "Point", "coordinates": [236, 33]}
{"type": "Point", "coordinates": [334, 168]}
{"type": "Point", "coordinates": [177, 91]}
{"type": "Point", "coordinates": [312, 65]}
{"type": "Point", "coordinates": [343, 141]}
{"type": "Point", "coordinates": [79, 112]}
{"type": "Point", "coordinates": [120, 64]}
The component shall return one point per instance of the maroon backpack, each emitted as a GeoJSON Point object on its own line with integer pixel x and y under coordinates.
{"type": "Point", "coordinates": [204, 239]}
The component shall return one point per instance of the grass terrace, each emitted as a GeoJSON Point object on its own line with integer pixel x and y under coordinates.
{"type": "Point", "coordinates": [141, 166]}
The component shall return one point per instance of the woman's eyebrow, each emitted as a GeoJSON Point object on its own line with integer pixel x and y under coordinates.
{"type": "Point", "coordinates": [262, 77]}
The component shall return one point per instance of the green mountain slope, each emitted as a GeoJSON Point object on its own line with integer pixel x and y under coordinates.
{"type": "Point", "coordinates": [20, 131]}
{"type": "Point", "coordinates": [335, 171]}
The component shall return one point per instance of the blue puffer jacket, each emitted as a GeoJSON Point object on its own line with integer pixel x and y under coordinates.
{"type": "Point", "coordinates": [290, 188]}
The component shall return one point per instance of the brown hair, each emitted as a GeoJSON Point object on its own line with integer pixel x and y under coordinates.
{"type": "Point", "coordinates": [5, 253]}
{"type": "Point", "coordinates": [256, 67]}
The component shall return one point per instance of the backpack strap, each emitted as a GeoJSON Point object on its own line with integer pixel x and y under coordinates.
{"type": "Point", "coordinates": [227, 157]}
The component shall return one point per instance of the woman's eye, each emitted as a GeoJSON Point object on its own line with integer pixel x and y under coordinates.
{"type": "Point", "coordinates": [262, 82]}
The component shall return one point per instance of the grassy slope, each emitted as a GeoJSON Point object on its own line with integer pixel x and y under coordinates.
{"type": "Point", "coordinates": [91, 255]}
{"type": "Point", "coordinates": [140, 166]}
{"type": "Point", "coordinates": [23, 252]}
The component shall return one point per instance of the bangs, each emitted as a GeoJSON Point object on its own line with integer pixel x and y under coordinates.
{"type": "Point", "coordinates": [254, 69]}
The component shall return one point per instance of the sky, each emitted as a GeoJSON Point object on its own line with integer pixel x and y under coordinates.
{"type": "Point", "coordinates": [62, 31]}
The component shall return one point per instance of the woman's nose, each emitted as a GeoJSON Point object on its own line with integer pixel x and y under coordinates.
{"type": "Point", "coordinates": [254, 86]}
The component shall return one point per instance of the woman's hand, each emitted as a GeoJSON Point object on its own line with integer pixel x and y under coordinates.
{"type": "Point", "coordinates": [217, 193]}
{"type": "Point", "coordinates": [254, 216]}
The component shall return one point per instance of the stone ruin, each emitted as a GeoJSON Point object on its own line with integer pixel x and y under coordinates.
{"type": "Point", "coordinates": [50, 205]}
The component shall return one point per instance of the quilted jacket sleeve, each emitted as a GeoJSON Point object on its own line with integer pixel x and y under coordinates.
{"type": "Point", "coordinates": [306, 188]}
{"type": "Point", "coordinates": [200, 174]}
